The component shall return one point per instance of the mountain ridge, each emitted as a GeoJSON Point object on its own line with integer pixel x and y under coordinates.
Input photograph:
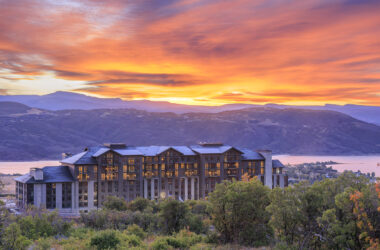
{"type": "Point", "coordinates": [62, 100]}
{"type": "Point", "coordinates": [36, 134]}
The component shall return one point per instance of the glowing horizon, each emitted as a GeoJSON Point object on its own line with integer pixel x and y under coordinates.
{"type": "Point", "coordinates": [194, 52]}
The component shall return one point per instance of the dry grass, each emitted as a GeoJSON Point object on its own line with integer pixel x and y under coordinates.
{"type": "Point", "coordinates": [9, 184]}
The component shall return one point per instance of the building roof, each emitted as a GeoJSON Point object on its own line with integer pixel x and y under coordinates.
{"type": "Point", "coordinates": [277, 164]}
{"type": "Point", "coordinates": [53, 174]}
{"type": "Point", "coordinates": [251, 155]}
{"type": "Point", "coordinates": [88, 156]}
{"type": "Point", "coordinates": [210, 149]}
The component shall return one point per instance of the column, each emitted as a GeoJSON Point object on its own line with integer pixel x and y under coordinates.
{"type": "Point", "coordinates": [58, 196]}
{"type": "Point", "coordinates": [180, 189]}
{"type": "Point", "coordinates": [37, 188]}
{"type": "Point", "coordinates": [282, 181]}
{"type": "Point", "coordinates": [43, 195]}
{"type": "Point", "coordinates": [152, 189]}
{"type": "Point", "coordinates": [145, 188]}
{"type": "Point", "coordinates": [90, 194]}
{"type": "Point", "coordinates": [166, 187]}
{"type": "Point", "coordinates": [186, 188]}
{"type": "Point", "coordinates": [73, 207]}
{"type": "Point", "coordinates": [192, 188]}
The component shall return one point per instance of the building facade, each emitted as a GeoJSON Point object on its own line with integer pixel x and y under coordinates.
{"type": "Point", "coordinates": [84, 180]}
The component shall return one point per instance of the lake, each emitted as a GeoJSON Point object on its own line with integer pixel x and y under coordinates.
{"type": "Point", "coordinates": [366, 164]}
{"type": "Point", "coordinates": [363, 163]}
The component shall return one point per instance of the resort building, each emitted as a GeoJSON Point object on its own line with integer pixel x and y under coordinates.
{"type": "Point", "coordinates": [84, 180]}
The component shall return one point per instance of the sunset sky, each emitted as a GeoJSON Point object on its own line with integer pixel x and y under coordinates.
{"type": "Point", "coordinates": [206, 52]}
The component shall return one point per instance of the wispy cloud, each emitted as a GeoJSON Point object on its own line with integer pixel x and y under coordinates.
{"type": "Point", "coordinates": [197, 51]}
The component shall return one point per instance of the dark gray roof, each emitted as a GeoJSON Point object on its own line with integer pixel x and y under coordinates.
{"type": "Point", "coordinates": [84, 157]}
{"type": "Point", "coordinates": [251, 155]}
{"type": "Point", "coordinates": [88, 156]}
{"type": "Point", "coordinates": [54, 174]}
{"type": "Point", "coordinates": [277, 164]}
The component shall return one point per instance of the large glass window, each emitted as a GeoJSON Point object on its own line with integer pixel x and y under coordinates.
{"type": "Point", "coordinates": [50, 195]}
{"type": "Point", "coordinates": [83, 194]}
{"type": "Point", "coordinates": [66, 195]}
{"type": "Point", "coordinates": [30, 194]}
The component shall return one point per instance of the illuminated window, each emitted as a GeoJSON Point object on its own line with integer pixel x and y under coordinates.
{"type": "Point", "coordinates": [262, 170]}
{"type": "Point", "coordinates": [131, 161]}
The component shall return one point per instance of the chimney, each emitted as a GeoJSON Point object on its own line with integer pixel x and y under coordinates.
{"type": "Point", "coordinates": [37, 173]}
{"type": "Point", "coordinates": [115, 145]}
{"type": "Point", "coordinates": [267, 154]}
{"type": "Point", "coordinates": [66, 155]}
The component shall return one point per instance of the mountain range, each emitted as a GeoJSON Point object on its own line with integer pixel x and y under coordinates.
{"type": "Point", "coordinates": [29, 133]}
{"type": "Point", "coordinates": [66, 100]}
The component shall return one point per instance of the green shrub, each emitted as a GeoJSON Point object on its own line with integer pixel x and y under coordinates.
{"type": "Point", "coordinates": [130, 241]}
{"type": "Point", "coordinates": [115, 203]}
{"type": "Point", "coordinates": [160, 243]}
{"type": "Point", "coordinates": [139, 204]}
{"type": "Point", "coordinates": [105, 240]}
{"type": "Point", "coordinates": [135, 230]}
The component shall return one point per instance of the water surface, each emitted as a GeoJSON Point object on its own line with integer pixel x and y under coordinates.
{"type": "Point", "coordinates": [366, 164]}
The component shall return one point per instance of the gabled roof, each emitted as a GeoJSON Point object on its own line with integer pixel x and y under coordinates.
{"type": "Point", "coordinates": [277, 164]}
{"type": "Point", "coordinates": [54, 174]}
{"type": "Point", "coordinates": [89, 156]}
{"type": "Point", "coordinates": [210, 149]}
{"type": "Point", "coordinates": [251, 155]}
{"type": "Point", "coordinates": [86, 157]}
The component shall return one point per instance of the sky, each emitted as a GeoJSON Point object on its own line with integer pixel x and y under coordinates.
{"type": "Point", "coordinates": [203, 52]}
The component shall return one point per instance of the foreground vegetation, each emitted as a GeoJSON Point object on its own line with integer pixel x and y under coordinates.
{"type": "Point", "coordinates": [342, 213]}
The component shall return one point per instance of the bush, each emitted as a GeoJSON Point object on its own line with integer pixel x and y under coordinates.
{"type": "Point", "coordinates": [140, 204]}
{"type": "Point", "coordinates": [115, 203]}
{"type": "Point", "coordinates": [160, 243]}
{"type": "Point", "coordinates": [105, 240]}
{"type": "Point", "coordinates": [112, 219]}
{"type": "Point", "coordinates": [135, 230]}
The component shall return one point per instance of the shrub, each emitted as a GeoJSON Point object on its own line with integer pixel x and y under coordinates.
{"type": "Point", "coordinates": [105, 240]}
{"type": "Point", "coordinates": [135, 230]}
{"type": "Point", "coordinates": [160, 243]}
{"type": "Point", "coordinates": [130, 241]}
{"type": "Point", "coordinates": [115, 203]}
{"type": "Point", "coordinates": [139, 204]}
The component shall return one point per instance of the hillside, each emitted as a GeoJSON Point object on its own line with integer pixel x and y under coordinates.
{"type": "Point", "coordinates": [66, 100]}
{"type": "Point", "coordinates": [46, 134]}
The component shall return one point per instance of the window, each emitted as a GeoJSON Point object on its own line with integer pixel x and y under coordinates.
{"type": "Point", "coordinates": [50, 195]}
{"type": "Point", "coordinates": [83, 173]}
{"type": "Point", "coordinates": [66, 195]}
{"type": "Point", "coordinates": [30, 194]}
{"type": "Point", "coordinates": [83, 194]}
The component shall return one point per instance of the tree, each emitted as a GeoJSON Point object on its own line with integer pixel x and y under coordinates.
{"type": "Point", "coordinates": [238, 212]}
{"type": "Point", "coordinates": [320, 215]}
{"type": "Point", "coordinates": [115, 203]}
{"type": "Point", "coordinates": [174, 215]}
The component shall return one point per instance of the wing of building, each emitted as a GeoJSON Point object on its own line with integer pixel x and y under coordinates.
{"type": "Point", "coordinates": [85, 179]}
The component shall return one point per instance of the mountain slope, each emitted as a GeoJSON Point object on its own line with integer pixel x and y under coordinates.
{"type": "Point", "coordinates": [46, 134]}
{"type": "Point", "coordinates": [66, 100]}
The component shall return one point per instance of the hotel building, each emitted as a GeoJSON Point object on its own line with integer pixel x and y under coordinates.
{"type": "Point", "coordinates": [83, 181]}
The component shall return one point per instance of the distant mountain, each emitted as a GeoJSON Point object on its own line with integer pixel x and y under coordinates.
{"type": "Point", "coordinates": [67, 100]}
{"type": "Point", "coordinates": [32, 134]}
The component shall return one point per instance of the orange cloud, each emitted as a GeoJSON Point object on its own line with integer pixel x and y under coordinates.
{"type": "Point", "coordinates": [198, 52]}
